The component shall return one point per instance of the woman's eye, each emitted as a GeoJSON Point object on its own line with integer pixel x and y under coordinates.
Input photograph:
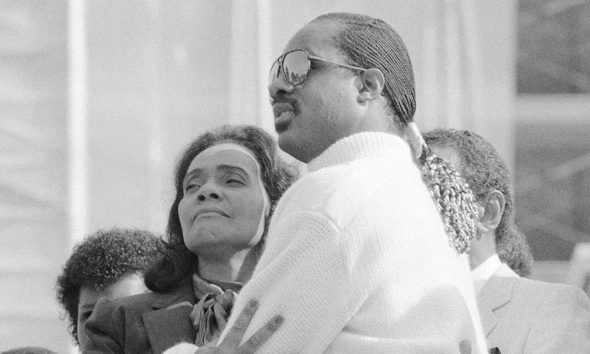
{"type": "Point", "coordinates": [191, 186]}
{"type": "Point", "coordinates": [234, 181]}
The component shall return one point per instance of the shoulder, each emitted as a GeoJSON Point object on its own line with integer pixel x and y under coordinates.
{"type": "Point", "coordinates": [340, 191]}
{"type": "Point", "coordinates": [552, 293]}
{"type": "Point", "coordinates": [116, 312]}
{"type": "Point", "coordinates": [559, 316]}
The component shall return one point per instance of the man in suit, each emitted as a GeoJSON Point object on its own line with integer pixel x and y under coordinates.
{"type": "Point", "coordinates": [518, 315]}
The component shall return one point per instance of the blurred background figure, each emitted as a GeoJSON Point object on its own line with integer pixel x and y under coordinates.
{"type": "Point", "coordinates": [518, 315]}
{"type": "Point", "coordinates": [579, 268]}
{"type": "Point", "coordinates": [108, 263]}
{"type": "Point", "coordinates": [89, 132]}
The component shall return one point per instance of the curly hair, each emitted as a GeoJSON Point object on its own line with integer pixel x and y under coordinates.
{"type": "Point", "coordinates": [484, 170]}
{"type": "Point", "coordinates": [277, 176]}
{"type": "Point", "coordinates": [516, 253]}
{"type": "Point", "coordinates": [370, 42]}
{"type": "Point", "coordinates": [100, 260]}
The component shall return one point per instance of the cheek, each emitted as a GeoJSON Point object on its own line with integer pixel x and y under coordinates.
{"type": "Point", "coordinates": [82, 338]}
{"type": "Point", "coordinates": [251, 208]}
{"type": "Point", "coordinates": [183, 209]}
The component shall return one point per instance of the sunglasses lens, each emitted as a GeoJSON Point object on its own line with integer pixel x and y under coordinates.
{"type": "Point", "coordinates": [274, 72]}
{"type": "Point", "coordinates": [296, 67]}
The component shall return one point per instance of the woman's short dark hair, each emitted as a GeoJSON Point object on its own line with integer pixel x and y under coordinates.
{"type": "Point", "coordinates": [100, 260]}
{"type": "Point", "coordinates": [178, 262]}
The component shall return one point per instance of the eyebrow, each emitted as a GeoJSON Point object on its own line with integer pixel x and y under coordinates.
{"type": "Point", "coordinates": [223, 168]}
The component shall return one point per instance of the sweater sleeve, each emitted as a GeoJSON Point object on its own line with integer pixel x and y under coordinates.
{"type": "Point", "coordinates": [301, 276]}
{"type": "Point", "coordinates": [105, 328]}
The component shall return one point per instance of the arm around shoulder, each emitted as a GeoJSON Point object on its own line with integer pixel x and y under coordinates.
{"type": "Point", "coordinates": [106, 328]}
{"type": "Point", "coordinates": [302, 279]}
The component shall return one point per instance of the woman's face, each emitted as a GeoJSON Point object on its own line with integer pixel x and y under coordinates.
{"type": "Point", "coordinates": [224, 204]}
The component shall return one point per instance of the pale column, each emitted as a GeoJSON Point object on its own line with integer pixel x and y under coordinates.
{"type": "Point", "coordinates": [465, 72]}
{"type": "Point", "coordinates": [78, 100]}
{"type": "Point", "coordinates": [250, 60]}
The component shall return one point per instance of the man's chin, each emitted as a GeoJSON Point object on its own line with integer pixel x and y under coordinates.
{"type": "Point", "coordinates": [282, 124]}
{"type": "Point", "coordinates": [292, 145]}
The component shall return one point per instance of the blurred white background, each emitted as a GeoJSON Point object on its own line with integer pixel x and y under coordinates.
{"type": "Point", "coordinates": [97, 98]}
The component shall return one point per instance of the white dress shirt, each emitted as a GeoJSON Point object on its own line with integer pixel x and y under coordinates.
{"type": "Point", "coordinates": [484, 271]}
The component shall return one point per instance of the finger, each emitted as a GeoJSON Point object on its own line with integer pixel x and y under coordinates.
{"type": "Point", "coordinates": [236, 332]}
{"type": "Point", "coordinates": [261, 335]}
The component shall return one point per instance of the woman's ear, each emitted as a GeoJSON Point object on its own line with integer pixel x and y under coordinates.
{"type": "Point", "coordinates": [372, 84]}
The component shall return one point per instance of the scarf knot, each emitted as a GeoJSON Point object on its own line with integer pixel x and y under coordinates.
{"type": "Point", "coordinates": [210, 314]}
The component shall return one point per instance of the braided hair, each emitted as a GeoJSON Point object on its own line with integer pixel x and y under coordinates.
{"type": "Point", "coordinates": [369, 42]}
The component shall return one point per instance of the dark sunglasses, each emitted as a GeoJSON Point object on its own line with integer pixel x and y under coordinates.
{"type": "Point", "coordinates": [295, 65]}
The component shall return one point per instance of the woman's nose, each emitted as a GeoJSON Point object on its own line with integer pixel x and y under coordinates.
{"type": "Point", "coordinates": [209, 191]}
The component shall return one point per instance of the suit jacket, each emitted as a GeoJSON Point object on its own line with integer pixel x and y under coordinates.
{"type": "Point", "coordinates": [520, 315]}
{"type": "Point", "coordinates": [144, 323]}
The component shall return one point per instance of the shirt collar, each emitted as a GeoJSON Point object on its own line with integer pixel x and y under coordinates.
{"type": "Point", "coordinates": [483, 272]}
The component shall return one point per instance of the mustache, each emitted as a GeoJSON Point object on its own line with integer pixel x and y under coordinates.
{"type": "Point", "coordinates": [281, 98]}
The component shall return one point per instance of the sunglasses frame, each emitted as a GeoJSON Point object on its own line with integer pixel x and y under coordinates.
{"type": "Point", "coordinates": [280, 60]}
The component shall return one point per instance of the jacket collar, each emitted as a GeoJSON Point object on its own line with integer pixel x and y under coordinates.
{"type": "Point", "coordinates": [183, 293]}
{"type": "Point", "coordinates": [170, 321]}
{"type": "Point", "coordinates": [496, 293]}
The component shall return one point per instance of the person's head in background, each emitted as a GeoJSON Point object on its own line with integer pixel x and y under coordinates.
{"type": "Point", "coordinates": [343, 74]}
{"type": "Point", "coordinates": [488, 177]}
{"type": "Point", "coordinates": [109, 263]}
{"type": "Point", "coordinates": [227, 182]}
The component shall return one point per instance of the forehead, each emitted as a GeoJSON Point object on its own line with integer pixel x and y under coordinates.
{"type": "Point", "coordinates": [226, 154]}
{"type": "Point", "coordinates": [89, 295]}
{"type": "Point", "coordinates": [448, 153]}
{"type": "Point", "coordinates": [317, 37]}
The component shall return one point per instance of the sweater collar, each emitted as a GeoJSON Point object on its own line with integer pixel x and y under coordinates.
{"type": "Point", "coordinates": [358, 146]}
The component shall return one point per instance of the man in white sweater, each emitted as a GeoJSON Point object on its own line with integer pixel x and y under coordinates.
{"type": "Point", "coordinates": [518, 315]}
{"type": "Point", "coordinates": [357, 259]}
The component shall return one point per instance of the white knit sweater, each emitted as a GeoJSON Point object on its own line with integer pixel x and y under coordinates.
{"type": "Point", "coordinates": [356, 260]}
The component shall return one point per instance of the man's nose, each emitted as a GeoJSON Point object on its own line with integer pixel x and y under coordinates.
{"type": "Point", "coordinates": [278, 86]}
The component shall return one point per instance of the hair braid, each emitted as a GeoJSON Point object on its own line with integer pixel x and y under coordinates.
{"type": "Point", "coordinates": [452, 197]}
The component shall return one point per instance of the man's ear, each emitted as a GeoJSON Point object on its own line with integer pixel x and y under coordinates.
{"type": "Point", "coordinates": [372, 84]}
{"type": "Point", "coordinates": [491, 210]}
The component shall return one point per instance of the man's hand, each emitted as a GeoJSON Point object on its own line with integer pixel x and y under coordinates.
{"type": "Point", "coordinates": [231, 342]}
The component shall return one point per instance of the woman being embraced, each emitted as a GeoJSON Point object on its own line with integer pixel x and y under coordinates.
{"type": "Point", "coordinates": [227, 183]}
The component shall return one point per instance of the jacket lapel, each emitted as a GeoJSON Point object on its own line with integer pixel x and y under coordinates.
{"type": "Point", "coordinates": [169, 323]}
{"type": "Point", "coordinates": [496, 293]}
